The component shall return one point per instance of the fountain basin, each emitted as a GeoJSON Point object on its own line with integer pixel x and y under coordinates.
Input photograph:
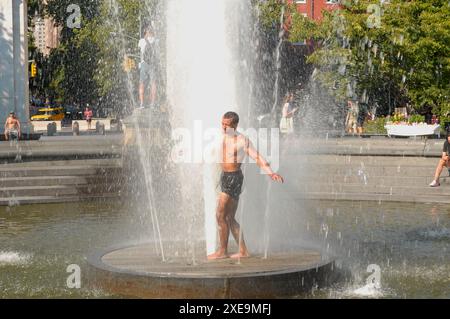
{"type": "Point", "coordinates": [137, 271]}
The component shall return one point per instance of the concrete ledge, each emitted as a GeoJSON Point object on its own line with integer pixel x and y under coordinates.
{"type": "Point", "coordinates": [365, 147]}
{"type": "Point", "coordinates": [66, 147]}
{"type": "Point", "coordinates": [28, 200]}
{"type": "Point", "coordinates": [41, 126]}
{"type": "Point", "coordinates": [373, 197]}
{"type": "Point", "coordinates": [138, 272]}
{"type": "Point", "coordinates": [364, 177]}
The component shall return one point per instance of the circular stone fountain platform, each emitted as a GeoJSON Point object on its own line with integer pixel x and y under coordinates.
{"type": "Point", "coordinates": [136, 271]}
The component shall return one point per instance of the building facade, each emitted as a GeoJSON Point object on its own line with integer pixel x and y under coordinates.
{"type": "Point", "coordinates": [46, 34]}
{"type": "Point", "coordinates": [313, 8]}
{"type": "Point", "coordinates": [52, 35]}
{"type": "Point", "coordinates": [14, 62]}
{"type": "Point", "coordinates": [39, 33]}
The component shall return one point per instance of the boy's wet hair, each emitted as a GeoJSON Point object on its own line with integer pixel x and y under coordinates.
{"type": "Point", "coordinates": [234, 117]}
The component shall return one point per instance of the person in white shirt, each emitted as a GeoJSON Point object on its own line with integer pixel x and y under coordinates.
{"type": "Point", "coordinates": [287, 116]}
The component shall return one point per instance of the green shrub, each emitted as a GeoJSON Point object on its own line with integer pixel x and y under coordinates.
{"type": "Point", "coordinates": [444, 121]}
{"type": "Point", "coordinates": [416, 118]}
{"type": "Point", "coordinates": [398, 118]}
{"type": "Point", "coordinates": [376, 126]}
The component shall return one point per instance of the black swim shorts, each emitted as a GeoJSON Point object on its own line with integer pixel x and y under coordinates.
{"type": "Point", "coordinates": [231, 183]}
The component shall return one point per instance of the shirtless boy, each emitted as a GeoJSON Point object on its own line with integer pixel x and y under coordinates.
{"type": "Point", "coordinates": [235, 147]}
{"type": "Point", "coordinates": [12, 127]}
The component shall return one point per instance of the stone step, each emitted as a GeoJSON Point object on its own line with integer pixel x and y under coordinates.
{"type": "Point", "coordinates": [6, 172]}
{"type": "Point", "coordinates": [366, 180]}
{"type": "Point", "coordinates": [55, 180]}
{"type": "Point", "coordinates": [58, 190]}
{"type": "Point", "coordinates": [357, 160]}
{"type": "Point", "coordinates": [353, 170]}
{"type": "Point", "coordinates": [27, 200]}
{"type": "Point", "coordinates": [45, 152]}
{"type": "Point", "coordinates": [355, 150]}
{"type": "Point", "coordinates": [386, 147]}
{"type": "Point", "coordinates": [371, 197]}
{"type": "Point", "coordinates": [420, 190]}
{"type": "Point", "coordinates": [81, 162]}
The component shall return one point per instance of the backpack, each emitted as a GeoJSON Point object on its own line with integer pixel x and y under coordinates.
{"type": "Point", "coordinates": [149, 52]}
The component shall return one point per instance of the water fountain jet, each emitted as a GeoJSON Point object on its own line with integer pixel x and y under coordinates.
{"type": "Point", "coordinates": [202, 84]}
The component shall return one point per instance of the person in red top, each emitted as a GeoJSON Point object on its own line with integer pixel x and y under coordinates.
{"type": "Point", "coordinates": [88, 116]}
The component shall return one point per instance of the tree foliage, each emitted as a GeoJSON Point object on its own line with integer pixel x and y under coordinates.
{"type": "Point", "coordinates": [389, 53]}
{"type": "Point", "coordinates": [87, 66]}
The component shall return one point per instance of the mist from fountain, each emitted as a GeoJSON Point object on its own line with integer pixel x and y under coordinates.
{"type": "Point", "coordinates": [203, 84]}
{"type": "Point", "coordinates": [114, 9]}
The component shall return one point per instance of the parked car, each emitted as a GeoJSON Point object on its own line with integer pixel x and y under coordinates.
{"type": "Point", "coordinates": [75, 113]}
{"type": "Point", "coordinates": [49, 114]}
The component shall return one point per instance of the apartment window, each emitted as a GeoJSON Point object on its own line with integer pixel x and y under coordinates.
{"type": "Point", "coordinates": [300, 1]}
{"type": "Point", "coordinates": [332, 1]}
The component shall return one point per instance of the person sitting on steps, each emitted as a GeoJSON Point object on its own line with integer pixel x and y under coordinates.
{"type": "Point", "coordinates": [12, 127]}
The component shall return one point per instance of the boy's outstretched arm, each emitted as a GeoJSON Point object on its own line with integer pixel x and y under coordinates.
{"type": "Point", "coordinates": [261, 162]}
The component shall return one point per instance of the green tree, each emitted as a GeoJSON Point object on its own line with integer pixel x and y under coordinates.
{"type": "Point", "coordinates": [87, 67]}
{"type": "Point", "coordinates": [388, 54]}
{"type": "Point", "coordinates": [69, 70]}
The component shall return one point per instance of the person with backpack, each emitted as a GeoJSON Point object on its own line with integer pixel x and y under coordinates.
{"type": "Point", "coordinates": [148, 67]}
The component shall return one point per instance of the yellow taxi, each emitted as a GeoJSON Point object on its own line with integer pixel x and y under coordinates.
{"type": "Point", "coordinates": [49, 114]}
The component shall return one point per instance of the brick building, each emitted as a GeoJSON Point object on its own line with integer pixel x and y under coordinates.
{"type": "Point", "coordinates": [313, 8]}
{"type": "Point", "coordinates": [46, 33]}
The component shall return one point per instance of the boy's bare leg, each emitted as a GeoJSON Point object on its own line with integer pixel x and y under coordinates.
{"type": "Point", "coordinates": [153, 94]}
{"type": "Point", "coordinates": [141, 93]}
{"type": "Point", "coordinates": [236, 229]}
{"type": "Point", "coordinates": [222, 225]}
{"type": "Point", "coordinates": [439, 169]}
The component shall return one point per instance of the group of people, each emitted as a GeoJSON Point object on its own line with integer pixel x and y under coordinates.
{"type": "Point", "coordinates": [235, 147]}
{"type": "Point", "coordinates": [12, 129]}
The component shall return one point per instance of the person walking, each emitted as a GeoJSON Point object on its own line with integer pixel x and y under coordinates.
{"type": "Point", "coordinates": [443, 162]}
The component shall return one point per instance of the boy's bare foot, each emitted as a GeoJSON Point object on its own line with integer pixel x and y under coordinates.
{"type": "Point", "coordinates": [240, 255]}
{"type": "Point", "coordinates": [217, 255]}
